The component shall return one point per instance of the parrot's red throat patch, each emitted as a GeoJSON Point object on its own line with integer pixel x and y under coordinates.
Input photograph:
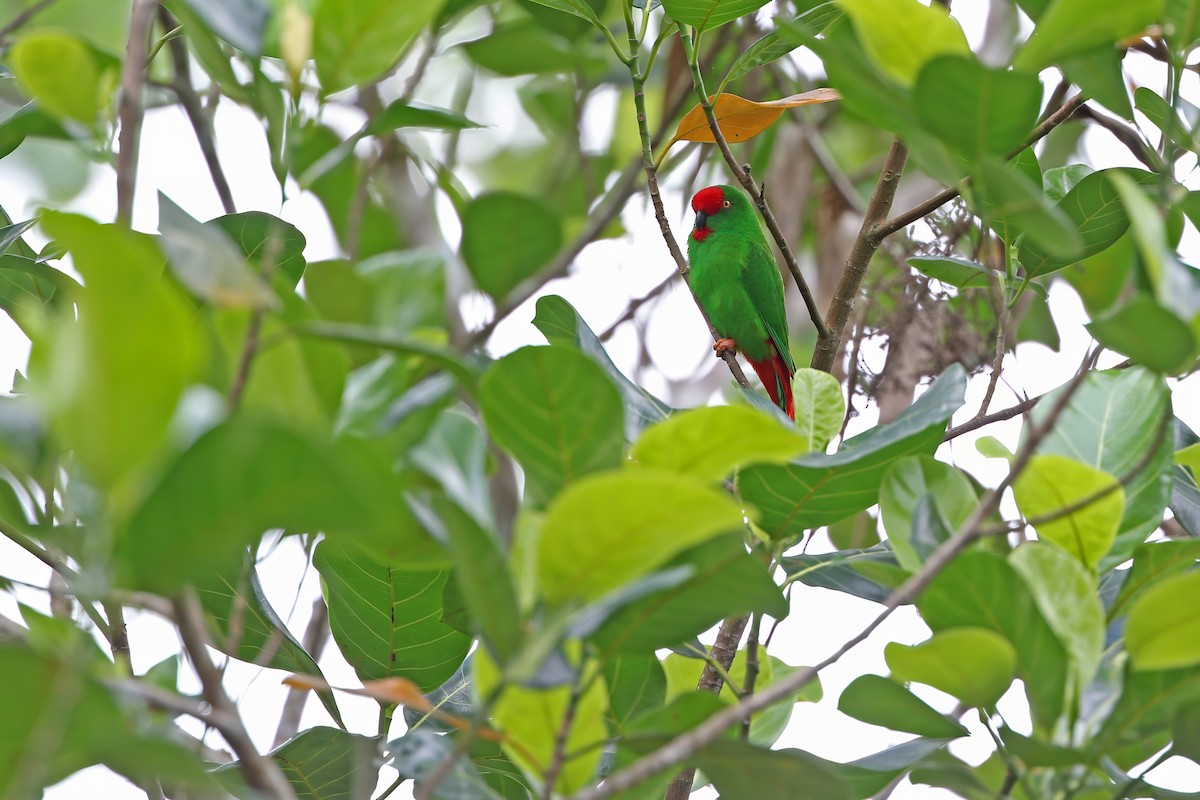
{"type": "Point", "coordinates": [700, 234]}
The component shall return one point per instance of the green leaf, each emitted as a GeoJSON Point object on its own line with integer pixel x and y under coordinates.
{"type": "Point", "coordinates": [1057, 182]}
{"type": "Point", "coordinates": [532, 721]}
{"type": "Point", "coordinates": [1162, 631]}
{"type": "Point", "coordinates": [871, 574]}
{"type": "Point", "coordinates": [29, 120]}
{"type": "Point", "coordinates": [36, 688]}
{"type": "Point", "coordinates": [709, 443]}
{"type": "Point", "coordinates": [508, 237]}
{"type": "Point", "coordinates": [903, 35]}
{"type": "Point", "coordinates": [904, 484]}
{"type": "Point", "coordinates": [1149, 703]}
{"type": "Point", "coordinates": [420, 753]}
{"type": "Point", "coordinates": [1097, 215]}
{"type": "Point", "coordinates": [708, 14]}
{"type": "Point", "coordinates": [1099, 74]}
{"type": "Point", "coordinates": [779, 42]}
{"type": "Point", "coordinates": [578, 8]}
{"type": "Point", "coordinates": [955, 271]}
{"type": "Point", "coordinates": [1013, 205]}
{"type": "Point", "coordinates": [1051, 484]}
{"type": "Point", "coordinates": [402, 114]}
{"type": "Point", "coordinates": [386, 617]}
{"type": "Point", "coordinates": [239, 22]}
{"type": "Point", "coordinates": [724, 580]}
{"type": "Point", "coordinates": [1065, 592]}
{"type": "Point", "coordinates": [26, 285]}
{"type": "Point", "coordinates": [324, 763]}
{"type": "Point", "coordinates": [561, 324]}
{"type": "Point", "coordinates": [1182, 19]}
{"type": "Point", "coordinates": [817, 489]}
{"type": "Point", "coordinates": [974, 109]}
{"type": "Point", "coordinates": [975, 665]}
{"type": "Point", "coordinates": [58, 71]}
{"type": "Point", "coordinates": [207, 262]}
{"type": "Point", "coordinates": [103, 24]}
{"type": "Point", "coordinates": [607, 529]}
{"type": "Point", "coordinates": [1153, 562]}
{"type": "Point", "coordinates": [269, 243]}
{"type": "Point", "coordinates": [1109, 424]}
{"type": "Point", "coordinates": [246, 476]}
{"type": "Point", "coordinates": [1149, 334]}
{"type": "Point", "coordinates": [879, 701]}
{"type": "Point", "coordinates": [979, 589]}
{"type": "Point", "coordinates": [109, 407]}
{"type": "Point", "coordinates": [1072, 26]}
{"type": "Point", "coordinates": [481, 573]}
{"type": "Point", "coordinates": [636, 685]}
{"type": "Point", "coordinates": [820, 407]}
{"type": "Point", "coordinates": [556, 412]}
{"type": "Point", "coordinates": [356, 41]}
{"type": "Point", "coordinates": [245, 626]}
{"type": "Point", "coordinates": [525, 48]}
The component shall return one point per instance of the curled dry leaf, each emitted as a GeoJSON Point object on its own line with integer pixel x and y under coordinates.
{"type": "Point", "coordinates": [392, 691]}
{"type": "Point", "coordinates": [741, 119]}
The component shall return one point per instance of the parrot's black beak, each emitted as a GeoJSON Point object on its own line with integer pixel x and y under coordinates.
{"type": "Point", "coordinates": [701, 220]}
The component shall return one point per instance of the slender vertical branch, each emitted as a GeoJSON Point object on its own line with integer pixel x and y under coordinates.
{"type": "Point", "coordinates": [315, 637]}
{"type": "Point", "coordinates": [758, 193]}
{"type": "Point", "coordinates": [639, 102]}
{"type": "Point", "coordinates": [130, 108]}
{"type": "Point", "coordinates": [20, 20]}
{"type": "Point", "coordinates": [865, 245]}
{"type": "Point", "coordinates": [261, 773]}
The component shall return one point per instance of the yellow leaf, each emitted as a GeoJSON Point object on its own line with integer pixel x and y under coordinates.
{"type": "Point", "coordinates": [741, 119]}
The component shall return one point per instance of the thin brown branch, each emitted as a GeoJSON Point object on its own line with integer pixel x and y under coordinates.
{"type": "Point", "coordinates": [559, 759]}
{"type": "Point", "coordinates": [723, 651]}
{"type": "Point", "coordinates": [118, 636]}
{"type": "Point", "coordinates": [1126, 135]}
{"type": "Point", "coordinates": [20, 20]}
{"type": "Point", "coordinates": [864, 247]}
{"type": "Point", "coordinates": [632, 309]}
{"type": "Point", "coordinates": [261, 773]}
{"type": "Point", "coordinates": [757, 192]}
{"type": "Point", "coordinates": [246, 359]}
{"type": "Point", "coordinates": [129, 110]}
{"type": "Point", "coordinates": [900, 221]}
{"type": "Point", "coordinates": [313, 642]}
{"type": "Point", "coordinates": [682, 747]}
{"type": "Point", "coordinates": [181, 85]}
{"type": "Point", "coordinates": [988, 419]}
{"type": "Point", "coordinates": [660, 213]}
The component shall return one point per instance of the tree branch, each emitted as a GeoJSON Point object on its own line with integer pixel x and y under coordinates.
{"type": "Point", "coordinates": [315, 637]}
{"type": "Point", "coordinates": [20, 20]}
{"type": "Point", "coordinates": [864, 247]}
{"type": "Point", "coordinates": [129, 111]}
{"type": "Point", "coordinates": [261, 773]}
{"type": "Point", "coordinates": [660, 213]}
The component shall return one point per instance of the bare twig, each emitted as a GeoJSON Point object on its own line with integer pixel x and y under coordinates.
{"type": "Point", "coordinates": [864, 247]}
{"type": "Point", "coordinates": [685, 745]}
{"type": "Point", "coordinates": [20, 20]}
{"type": "Point", "coordinates": [181, 85]}
{"type": "Point", "coordinates": [757, 192]}
{"type": "Point", "coordinates": [988, 419]}
{"type": "Point", "coordinates": [724, 650]}
{"type": "Point", "coordinates": [315, 637]}
{"type": "Point", "coordinates": [1064, 113]}
{"type": "Point", "coordinates": [632, 309]}
{"type": "Point", "coordinates": [130, 108]}
{"type": "Point", "coordinates": [261, 773]}
{"type": "Point", "coordinates": [559, 759]}
{"type": "Point", "coordinates": [660, 213]}
{"type": "Point", "coordinates": [1127, 136]}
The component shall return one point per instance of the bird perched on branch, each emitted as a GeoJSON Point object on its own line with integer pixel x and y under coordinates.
{"type": "Point", "coordinates": [734, 276]}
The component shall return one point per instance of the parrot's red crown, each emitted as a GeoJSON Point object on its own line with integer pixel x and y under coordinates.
{"type": "Point", "coordinates": [709, 200]}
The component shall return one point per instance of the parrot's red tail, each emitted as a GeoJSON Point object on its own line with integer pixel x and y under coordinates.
{"type": "Point", "coordinates": [774, 374]}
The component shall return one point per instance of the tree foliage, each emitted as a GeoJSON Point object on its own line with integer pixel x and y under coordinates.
{"type": "Point", "coordinates": [517, 550]}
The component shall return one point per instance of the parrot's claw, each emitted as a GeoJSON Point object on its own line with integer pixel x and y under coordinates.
{"type": "Point", "coordinates": [723, 346]}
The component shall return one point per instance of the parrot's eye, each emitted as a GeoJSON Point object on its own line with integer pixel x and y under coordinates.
{"type": "Point", "coordinates": [726, 204]}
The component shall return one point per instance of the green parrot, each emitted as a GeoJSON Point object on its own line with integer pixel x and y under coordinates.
{"type": "Point", "coordinates": [734, 276]}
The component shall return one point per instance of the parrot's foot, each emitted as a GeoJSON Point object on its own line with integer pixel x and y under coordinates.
{"type": "Point", "coordinates": [723, 346]}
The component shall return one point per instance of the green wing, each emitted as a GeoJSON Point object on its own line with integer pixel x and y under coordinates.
{"type": "Point", "coordinates": [764, 284]}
